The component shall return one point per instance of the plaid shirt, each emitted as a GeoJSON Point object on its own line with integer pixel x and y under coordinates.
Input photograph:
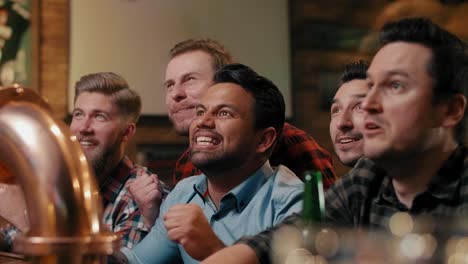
{"type": "Point", "coordinates": [366, 198]}
{"type": "Point", "coordinates": [295, 150]}
{"type": "Point", "coordinates": [372, 200]}
{"type": "Point", "coordinates": [121, 213]}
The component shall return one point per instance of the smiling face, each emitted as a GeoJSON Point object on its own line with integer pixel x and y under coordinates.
{"type": "Point", "coordinates": [347, 121]}
{"type": "Point", "coordinates": [99, 130]}
{"type": "Point", "coordinates": [188, 76]}
{"type": "Point", "coordinates": [223, 135]}
{"type": "Point", "coordinates": [400, 116]}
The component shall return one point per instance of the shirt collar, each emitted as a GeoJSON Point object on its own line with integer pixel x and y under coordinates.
{"type": "Point", "coordinates": [242, 193]}
{"type": "Point", "coordinates": [245, 191]}
{"type": "Point", "coordinates": [114, 182]}
{"type": "Point", "coordinates": [443, 186]}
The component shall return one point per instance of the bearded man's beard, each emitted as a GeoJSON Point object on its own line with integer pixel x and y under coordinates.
{"type": "Point", "coordinates": [101, 161]}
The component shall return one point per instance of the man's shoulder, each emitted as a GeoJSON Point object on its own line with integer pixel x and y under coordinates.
{"type": "Point", "coordinates": [362, 176]}
{"type": "Point", "coordinates": [365, 168]}
{"type": "Point", "coordinates": [285, 185]}
{"type": "Point", "coordinates": [296, 142]}
{"type": "Point", "coordinates": [189, 182]}
{"type": "Point", "coordinates": [292, 131]}
{"type": "Point", "coordinates": [184, 189]}
{"type": "Point", "coordinates": [284, 177]}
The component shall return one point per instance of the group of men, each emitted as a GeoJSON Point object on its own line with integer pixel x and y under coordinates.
{"type": "Point", "coordinates": [399, 121]}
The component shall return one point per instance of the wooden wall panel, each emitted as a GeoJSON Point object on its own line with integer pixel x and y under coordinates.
{"type": "Point", "coordinates": [54, 53]}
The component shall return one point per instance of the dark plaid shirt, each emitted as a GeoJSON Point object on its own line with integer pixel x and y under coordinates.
{"type": "Point", "coordinates": [295, 150]}
{"type": "Point", "coordinates": [366, 198]}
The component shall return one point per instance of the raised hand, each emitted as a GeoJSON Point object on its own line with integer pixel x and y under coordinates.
{"type": "Point", "coordinates": [147, 193]}
{"type": "Point", "coordinates": [187, 225]}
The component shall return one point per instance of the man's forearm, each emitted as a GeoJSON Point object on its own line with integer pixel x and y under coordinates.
{"type": "Point", "coordinates": [238, 253]}
{"type": "Point", "coordinates": [117, 258]}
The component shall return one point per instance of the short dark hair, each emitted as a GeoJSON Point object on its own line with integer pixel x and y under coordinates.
{"type": "Point", "coordinates": [216, 50]}
{"type": "Point", "coordinates": [356, 70]}
{"type": "Point", "coordinates": [269, 102]}
{"type": "Point", "coordinates": [447, 66]}
{"type": "Point", "coordinates": [115, 86]}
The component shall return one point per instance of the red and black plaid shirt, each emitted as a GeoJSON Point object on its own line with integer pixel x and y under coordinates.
{"type": "Point", "coordinates": [121, 213]}
{"type": "Point", "coordinates": [295, 150]}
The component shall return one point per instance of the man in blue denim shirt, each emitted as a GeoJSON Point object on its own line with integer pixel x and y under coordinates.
{"type": "Point", "coordinates": [238, 122]}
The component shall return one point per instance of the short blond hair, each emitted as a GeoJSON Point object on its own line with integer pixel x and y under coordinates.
{"type": "Point", "coordinates": [108, 83]}
{"type": "Point", "coordinates": [216, 50]}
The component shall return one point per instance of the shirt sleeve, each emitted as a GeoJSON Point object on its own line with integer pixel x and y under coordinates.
{"type": "Point", "coordinates": [262, 242]}
{"type": "Point", "coordinates": [130, 225]}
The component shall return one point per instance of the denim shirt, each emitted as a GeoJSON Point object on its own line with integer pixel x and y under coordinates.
{"type": "Point", "coordinates": [261, 201]}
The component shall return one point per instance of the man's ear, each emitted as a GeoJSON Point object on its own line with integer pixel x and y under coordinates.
{"type": "Point", "coordinates": [454, 111]}
{"type": "Point", "coordinates": [129, 131]}
{"type": "Point", "coordinates": [267, 138]}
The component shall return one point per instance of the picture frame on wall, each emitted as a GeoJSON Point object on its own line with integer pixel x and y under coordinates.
{"type": "Point", "coordinates": [19, 31]}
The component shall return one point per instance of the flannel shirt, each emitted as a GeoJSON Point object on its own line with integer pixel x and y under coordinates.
{"type": "Point", "coordinates": [121, 214]}
{"type": "Point", "coordinates": [295, 150]}
{"type": "Point", "coordinates": [366, 198]}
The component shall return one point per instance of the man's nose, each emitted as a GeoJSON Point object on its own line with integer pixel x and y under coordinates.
{"type": "Point", "coordinates": [177, 93]}
{"type": "Point", "coordinates": [371, 102]}
{"type": "Point", "coordinates": [345, 121]}
{"type": "Point", "coordinates": [206, 120]}
{"type": "Point", "coordinates": [85, 126]}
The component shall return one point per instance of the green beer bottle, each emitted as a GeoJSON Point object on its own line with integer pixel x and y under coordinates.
{"type": "Point", "coordinates": [313, 210]}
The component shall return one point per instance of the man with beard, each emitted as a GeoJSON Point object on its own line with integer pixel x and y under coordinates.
{"type": "Point", "coordinates": [104, 120]}
{"type": "Point", "coordinates": [237, 124]}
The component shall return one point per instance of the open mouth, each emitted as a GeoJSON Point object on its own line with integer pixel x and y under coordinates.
{"type": "Point", "coordinates": [372, 129]}
{"type": "Point", "coordinates": [87, 143]}
{"type": "Point", "coordinates": [347, 140]}
{"type": "Point", "coordinates": [206, 141]}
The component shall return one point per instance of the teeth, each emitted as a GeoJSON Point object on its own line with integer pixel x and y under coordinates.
{"type": "Point", "coordinates": [372, 126]}
{"type": "Point", "coordinates": [86, 143]}
{"type": "Point", "coordinates": [205, 141]}
{"type": "Point", "coordinates": [344, 141]}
